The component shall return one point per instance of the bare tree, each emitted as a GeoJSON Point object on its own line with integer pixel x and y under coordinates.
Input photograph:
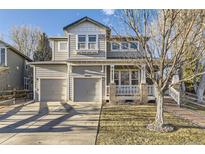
{"type": "Point", "coordinates": [25, 38]}
{"type": "Point", "coordinates": [166, 38]}
{"type": "Point", "coordinates": [1, 36]}
{"type": "Point", "coordinates": [201, 87]}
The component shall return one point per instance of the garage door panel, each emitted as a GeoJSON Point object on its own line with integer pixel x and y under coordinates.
{"type": "Point", "coordinates": [53, 89]}
{"type": "Point", "coordinates": [87, 90]}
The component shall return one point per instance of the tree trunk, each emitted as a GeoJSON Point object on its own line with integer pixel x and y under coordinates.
{"type": "Point", "coordinates": [182, 85]}
{"type": "Point", "coordinates": [159, 119]}
{"type": "Point", "coordinates": [201, 88]}
{"type": "Point", "coordinates": [196, 71]}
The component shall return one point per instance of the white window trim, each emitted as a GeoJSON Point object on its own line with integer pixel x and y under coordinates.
{"type": "Point", "coordinates": [5, 55]}
{"type": "Point", "coordinates": [59, 42]}
{"type": "Point", "coordinates": [86, 42]}
{"type": "Point", "coordinates": [129, 46]}
{"type": "Point", "coordinates": [115, 49]}
{"type": "Point", "coordinates": [26, 66]}
{"type": "Point", "coordinates": [26, 79]}
{"type": "Point", "coordinates": [96, 47]}
{"type": "Point", "coordinates": [78, 42]}
{"type": "Point", "coordinates": [132, 48]}
{"type": "Point", "coordinates": [130, 76]}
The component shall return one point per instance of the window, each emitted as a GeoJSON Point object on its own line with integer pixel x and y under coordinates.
{"type": "Point", "coordinates": [87, 42]}
{"type": "Point", "coordinates": [133, 45]}
{"type": "Point", "coordinates": [116, 77]}
{"type": "Point", "coordinates": [26, 67]}
{"type": "Point", "coordinates": [81, 41]}
{"type": "Point", "coordinates": [62, 46]}
{"type": "Point", "coordinates": [26, 83]}
{"type": "Point", "coordinates": [124, 46]}
{"type": "Point", "coordinates": [2, 56]}
{"type": "Point", "coordinates": [125, 78]}
{"type": "Point", "coordinates": [134, 78]}
{"type": "Point", "coordinates": [92, 43]}
{"type": "Point", "coordinates": [115, 46]}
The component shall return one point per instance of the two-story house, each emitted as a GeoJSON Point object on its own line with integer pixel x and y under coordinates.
{"type": "Point", "coordinates": [91, 65]}
{"type": "Point", "coordinates": [14, 69]}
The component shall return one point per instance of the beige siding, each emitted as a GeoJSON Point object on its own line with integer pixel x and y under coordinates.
{"type": "Point", "coordinates": [4, 80]}
{"type": "Point", "coordinates": [59, 55]}
{"type": "Point", "coordinates": [87, 70]}
{"type": "Point", "coordinates": [51, 71]}
{"type": "Point", "coordinates": [48, 71]}
{"type": "Point", "coordinates": [87, 28]}
{"type": "Point", "coordinates": [14, 77]}
{"type": "Point", "coordinates": [123, 54]}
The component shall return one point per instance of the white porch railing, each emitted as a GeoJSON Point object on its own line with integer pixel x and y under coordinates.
{"type": "Point", "coordinates": [127, 90]}
{"type": "Point", "coordinates": [151, 90]}
{"type": "Point", "coordinates": [174, 94]}
{"type": "Point", "coordinates": [130, 90]}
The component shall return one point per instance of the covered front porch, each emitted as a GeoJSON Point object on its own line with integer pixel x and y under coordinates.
{"type": "Point", "coordinates": [128, 83]}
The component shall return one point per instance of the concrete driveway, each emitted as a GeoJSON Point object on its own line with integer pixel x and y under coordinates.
{"type": "Point", "coordinates": [49, 123]}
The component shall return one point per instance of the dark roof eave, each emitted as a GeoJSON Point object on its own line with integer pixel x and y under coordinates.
{"type": "Point", "coordinates": [16, 51]}
{"type": "Point", "coordinates": [87, 19]}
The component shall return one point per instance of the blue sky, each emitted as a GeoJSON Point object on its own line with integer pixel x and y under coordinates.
{"type": "Point", "coordinates": [50, 21]}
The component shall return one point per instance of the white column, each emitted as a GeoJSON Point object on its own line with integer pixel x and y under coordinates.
{"type": "Point", "coordinates": [112, 72]}
{"type": "Point", "coordinates": [143, 73]}
{"type": "Point", "coordinates": [34, 83]}
{"type": "Point", "coordinates": [67, 83]}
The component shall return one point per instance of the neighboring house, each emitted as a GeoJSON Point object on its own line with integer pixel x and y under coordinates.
{"type": "Point", "coordinates": [15, 73]}
{"type": "Point", "coordinates": [90, 65]}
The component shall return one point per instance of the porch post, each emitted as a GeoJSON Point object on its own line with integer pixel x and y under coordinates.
{"type": "Point", "coordinates": [112, 96]}
{"type": "Point", "coordinates": [112, 72]}
{"type": "Point", "coordinates": [143, 86]}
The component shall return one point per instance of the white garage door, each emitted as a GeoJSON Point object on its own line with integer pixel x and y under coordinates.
{"type": "Point", "coordinates": [87, 90]}
{"type": "Point", "coordinates": [53, 89]}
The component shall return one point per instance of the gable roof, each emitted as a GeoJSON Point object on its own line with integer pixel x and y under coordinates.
{"type": "Point", "coordinates": [15, 50]}
{"type": "Point", "coordinates": [86, 19]}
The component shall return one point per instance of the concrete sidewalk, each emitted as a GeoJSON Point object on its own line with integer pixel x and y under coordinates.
{"type": "Point", "coordinates": [188, 114]}
{"type": "Point", "coordinates": [56, 123]}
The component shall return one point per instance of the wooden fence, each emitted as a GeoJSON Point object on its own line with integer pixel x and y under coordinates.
{"type": "Point", "coordinates": [15, 94]}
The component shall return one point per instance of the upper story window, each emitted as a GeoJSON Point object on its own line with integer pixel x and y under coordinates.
{"type": "Point", "coordinates": [62, 46]}
{"type": "Point", "coordinates": [124, 46]}
{"type": "Point", "coordinates": [26, 83]}
{"type": "Point", "coordinates": [81, 41]}
{"type": "Point", "coordinates": [92, 42]}
{"type": "Point", "coordinates": [133, 45]}
{"type": "Point", "coordinates": [3, 56]}
{"type": "Point", "coordinates": [121, 46]}
{"type": "Point", "coordinates": [115, 46]}
{"type": "Point", "coordinates": [87, 42]}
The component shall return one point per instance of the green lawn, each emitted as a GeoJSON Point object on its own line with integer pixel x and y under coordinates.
{"type": "Point", "coordinates": [126, 124]}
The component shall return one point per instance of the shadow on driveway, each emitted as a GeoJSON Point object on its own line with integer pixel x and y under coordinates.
{"type": "Point", "coordinates": [48, 127]}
